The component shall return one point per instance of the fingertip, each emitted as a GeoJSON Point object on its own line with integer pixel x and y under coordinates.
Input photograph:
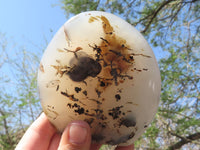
{"type": "Point", "coordinates": [76, 135]}
{"type": "Point", "coordinates": [39, 131]}
{"type": "Point", "coordinates": [78, 132]}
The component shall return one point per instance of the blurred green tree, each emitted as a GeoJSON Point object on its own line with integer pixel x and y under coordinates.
{"type": "Point", "coordinates": [19, 102]}
{"type": "Point", "coordinates": [173, 28]}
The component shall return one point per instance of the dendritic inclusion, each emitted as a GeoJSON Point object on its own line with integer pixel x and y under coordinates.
{"type": "Point", "coordinates": [105, 79]}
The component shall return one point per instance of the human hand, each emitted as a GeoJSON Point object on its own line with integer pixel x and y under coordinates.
{"type": "Point", "coordinates": [41, 135]}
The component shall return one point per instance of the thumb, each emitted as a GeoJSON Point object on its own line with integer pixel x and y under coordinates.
{"type": "Point", "coordinates": [76, 136]}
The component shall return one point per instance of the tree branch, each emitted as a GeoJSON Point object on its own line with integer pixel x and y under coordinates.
{"type": "Point", "coordinates": [6, 127]}
{"type": "Point", "coordinates": [155, 13]}
{"type": "Point", "coordinates": [157, 10]}
{"type": "Point", "coordinates": [184, 141]}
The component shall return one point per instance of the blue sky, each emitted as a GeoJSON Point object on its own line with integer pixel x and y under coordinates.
{"type": "Point", "coordinates": [30, 25]}
{"type": "Point", "coordinates": [30, 21]}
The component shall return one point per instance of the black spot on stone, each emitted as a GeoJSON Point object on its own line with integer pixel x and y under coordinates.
{"type": "Point", "coordinates": [115, 112]}
{"type": "Point", "coordinates": [69, 96]}
{"type": "Point", "coordinates": [85, 93]}
{"type": "Point", "coordinates": [117, 97]}
{"type": "Point", "coordinates": [76, 105]}
{"type": "Point", "coordinates": [97, 101]}
{"type": "Point", "coordinates": [145, 126]}
{"type": "Point", "coordinates": [103, 117]}
{"type": "Point", "coordinates": [69, 105]}
{"type": "Point", "coordinates": [77, 89]}
{"type": "Point", "coordinates": [131, 57]}
{"type": "Point", "coordinates": [103, 124]}
{"type": "Point", "coordinates": [98, 93]}
{"type": "Point", "coordinates": [102, 84]}
{"type": "Point", "coordinates": [80, 110]}
{"type": "Point", "coordinates": [83, 67]}
{"type": "Point", "coordinates": [57, 88]}
{"type": "Point", "coordinates": [131, 135]}
{"type": "Point", "coordinates": [127, 122]}
{"type": "Point", "coordinates": [97, 137]}
{"type": "Point", "coordinates": [98, 111]}
{"type": "Point", "coordinates": [104, 40]}
{"type": "Point", "coordinates": [98, 51]}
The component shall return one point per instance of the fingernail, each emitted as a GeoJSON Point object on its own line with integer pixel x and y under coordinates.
{"type": "Point", "coordinates": [77, 134]}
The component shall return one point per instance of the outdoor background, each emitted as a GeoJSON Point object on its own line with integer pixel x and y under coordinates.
{"type": "Point", "coordinates": [172, 28]}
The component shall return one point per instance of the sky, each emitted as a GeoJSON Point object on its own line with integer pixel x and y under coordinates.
{"type": "Point", "coordinates": [30, 25]}
{"type": "Point", "coordinates": [30, 21]}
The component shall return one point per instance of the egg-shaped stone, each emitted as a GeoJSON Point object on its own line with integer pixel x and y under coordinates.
{"type": "Point", "coordinates": [100, 69]}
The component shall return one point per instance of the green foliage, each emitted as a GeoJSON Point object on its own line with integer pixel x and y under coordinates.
{"type": "Point", "coordinates": [19, 102]}
{"type": "Point", "coordinates": [150, 135]}
{"type": "Point", "coordinates": [73, 6]}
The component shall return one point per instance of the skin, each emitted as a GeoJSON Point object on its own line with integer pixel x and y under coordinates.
{"type": "Point", "coordinates": [41, 135]}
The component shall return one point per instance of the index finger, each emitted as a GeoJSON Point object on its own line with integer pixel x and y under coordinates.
{"type": "Point", "coordinates": [38, 135]}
